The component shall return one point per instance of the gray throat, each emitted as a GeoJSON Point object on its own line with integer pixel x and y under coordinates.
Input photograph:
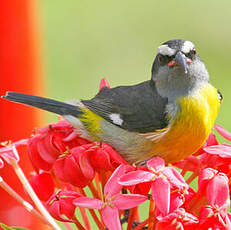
{"type": "Point", "coordinates": [173, 83]}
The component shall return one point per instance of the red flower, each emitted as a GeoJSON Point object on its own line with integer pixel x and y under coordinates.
{"type": "Point", "coordinates": [68, 169]}
{"type": "Point", "coordinates": [43, 185]}
{"type": "Point", "coordinates": [100, 156]}
{"type": "Point", "coordinates": [103, 84]}
{"type": "Point", "coordinates": [61, 206]}
{"type": "Point", "coordinates": [52, 141]}
{"type": "Point", "coordinates": [179, 219]}
{"type": "Point", "coordinates": [212, 217]}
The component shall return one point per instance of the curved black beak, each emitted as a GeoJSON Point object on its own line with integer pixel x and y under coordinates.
{"type": "Point", "coordinates": [181, 61]}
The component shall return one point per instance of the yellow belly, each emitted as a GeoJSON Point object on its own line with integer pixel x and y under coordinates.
{"type": "Point", "coordinates": [191, 127]}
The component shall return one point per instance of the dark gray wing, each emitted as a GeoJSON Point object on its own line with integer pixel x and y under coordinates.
{"type": "Point", "coordinates": [137, 108]}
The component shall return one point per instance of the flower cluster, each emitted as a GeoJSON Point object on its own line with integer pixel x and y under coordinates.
{"type": "Point", "coordinates": [73, 174]}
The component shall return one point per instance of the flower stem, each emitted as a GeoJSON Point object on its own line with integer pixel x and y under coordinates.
{"type": "Point", "coordinates": [103, 179]}
{"type": "Point", "coordinates": [183, 172]}
{"type": "Point", "coordinates": [141, 225]}
{"type": "Point", "coordinates": [67, 226]}
{"type": "Point", "coordinates": [131, 218]}
{"type": "Point", "coordinates": [137, 214]}
{"type": "Point", "coordinates": [96, 219]}
{"type": "Point", "coordinates": [98, 187]}
{"type": "Point", "coordinates": [83, 211]}
{"type": "Point", "coordinates": [32, 194]}
{"type": "Point", "coordinates": [78, 224]}
{"type": "Point", "coordinates": [26, 204]}
{"type": "Point", "coordinates": [85, 218]}
{"type": "Point", "coordinates": [151, 214]}
{"type": "Point", "coordinates": [93, 190]}
{"type": "Point", "coordinates": [93, 214]}
{"type": "Point", "coordinates": [191, 178]}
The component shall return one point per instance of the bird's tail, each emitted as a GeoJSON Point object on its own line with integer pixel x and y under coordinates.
{"type": "Point", "coordinates": [44, 103]}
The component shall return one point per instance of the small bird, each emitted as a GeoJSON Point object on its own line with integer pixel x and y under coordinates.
{"type": "Point", "coordinates": [169, 116]}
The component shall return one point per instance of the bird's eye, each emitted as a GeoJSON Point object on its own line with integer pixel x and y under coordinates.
{"type": "Point", "coordinates": [191, 54]}
{"type": "Point", "coordinates": [164, 59]}
{"type": "Point", "coordinates": [220, 97]}
{"type": "Point", "coordinates": [161, 59]}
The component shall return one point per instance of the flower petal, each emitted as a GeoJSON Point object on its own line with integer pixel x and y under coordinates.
{"type": "Point", "coordinates": [37, 161]}
{"type": "Point", "coordinates": [54, 210]}
{"type": "Point", "coordinates": [127, 201]}
{"type": "Point", "coordinates": [85, 165]}
{"type": "Point", "coordinates": [191, 163]}
{"type": "Point", "coordinates": [103, 84]}
{"type": "Point", "coordinates": [136, 177]}
{"type": "Point", "coordinates": [8, 153]}
{"type": "Point", "coordinates": [205, 176]}
{"type": "Point", "coordinates": [88, 202]}
{"type": "Point", "coordinates": [111, 219]}
{"type": "Point", "coordinates": [211, 140]}
{"type": "Point", "coordinates": [112, 186]}
{"type": "Point", "coordinates": [43, 185]}
{"type": "Point", "coordinates": [161, 194]}
{"type": "Point", "coordinates": [175, 178]}
{"type": "Point", "coordinates": [218, 190]}
{"type": "Point", "coordinates": [223, 132]}
{"type": "Point", "coordinates": [67, 169]}
{"type": "Point", "coordinates": [100, 160]}
{"type": "Point", "coordinates": [1, 163]}
{"type": "Point", "coordinates": [60, 205]}
{"type": "Point", "coordinates": [156, 163]}
{"type": "Point", "coordinates": [221, 150]}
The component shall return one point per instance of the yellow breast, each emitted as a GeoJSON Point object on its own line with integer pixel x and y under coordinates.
{"type": "Point", "coordinates": [191, 127]}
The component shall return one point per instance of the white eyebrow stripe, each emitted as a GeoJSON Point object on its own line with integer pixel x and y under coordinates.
{"type": "Point", "coordinates": [187, 47]}
{"type": "Point", "coordinates": [166, 50]}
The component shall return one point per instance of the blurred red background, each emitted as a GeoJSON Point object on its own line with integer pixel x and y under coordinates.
{"type": "Point", "coordinates": [20, 70]}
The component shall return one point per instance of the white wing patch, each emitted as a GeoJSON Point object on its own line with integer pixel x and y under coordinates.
{"type": "Point", "coordinates": [116, 119]}
{"type": "Point", "coordinates": [187, 47]}
{"type": "Point", "coordinates": [166, 50]}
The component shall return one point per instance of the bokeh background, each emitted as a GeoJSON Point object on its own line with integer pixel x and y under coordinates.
{"type": "Point", "coordinates": [84, 41]}
{"type": "Point", "coordinates": [61, 49]}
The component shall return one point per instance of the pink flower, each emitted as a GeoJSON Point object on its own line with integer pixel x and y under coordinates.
{"type": "Point", "coordinates": [163, 180]}
{"type": "Point", "coordinates": [113, 201]}
{"type": "Point", "coordinates": [9, 151]}
{"type": "Point", "coordinates": [224, 151]}
{"type": "Point", "coordinates": [223, 132]}
{"type": "Point", "coordinates": [43, 185]}
{"type": "Point", "coordinates": [215, 186]}
{"type": "Point", "coordinates": [180, 198]}
{"type": "Point", "coordinates": [179, 219]}
{"type": "Point", "coordinates": [61, 206]}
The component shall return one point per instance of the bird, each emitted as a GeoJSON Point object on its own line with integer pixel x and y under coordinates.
{"type": "Point", "coordinates": [169, 116]}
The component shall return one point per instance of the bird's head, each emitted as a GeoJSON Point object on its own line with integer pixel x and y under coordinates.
{"type": "Point", "coordinates": [177, 69]}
